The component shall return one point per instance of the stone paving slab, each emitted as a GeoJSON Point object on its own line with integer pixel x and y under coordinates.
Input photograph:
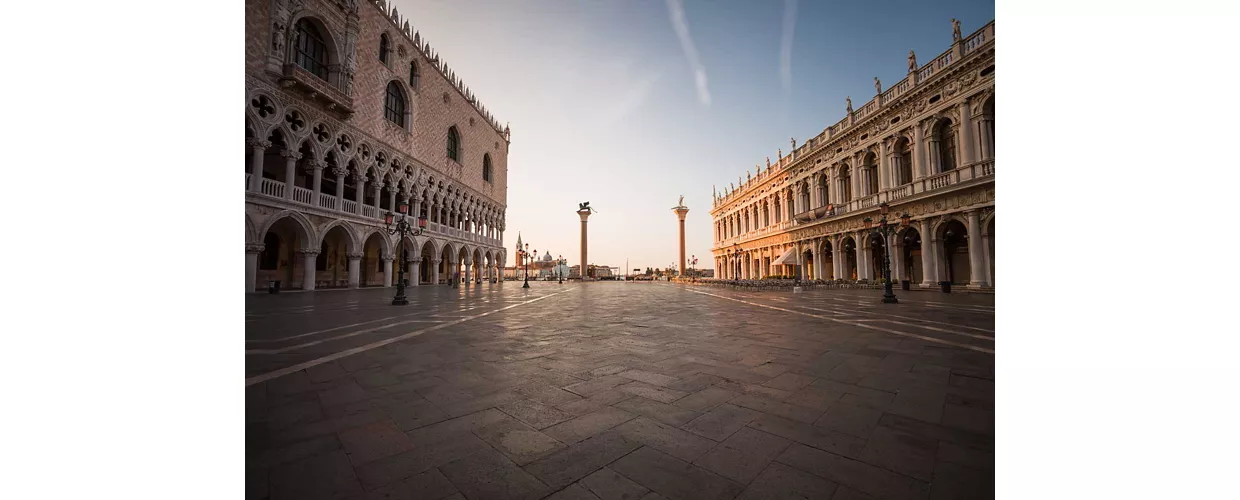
{"type": "Point", "coordinates": [643, 391]}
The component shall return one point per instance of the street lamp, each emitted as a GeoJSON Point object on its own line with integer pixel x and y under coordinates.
{"type": "Point", "coordinates": [889, 297]}
{"type": "Point", "coordinates": [559, 268]}
{"type": "Point", "coordinates": [404, 229]}
{"type": "Point", "coordinates": [525, 256]}
{"type": "Point", "coordinates": [692, 264]}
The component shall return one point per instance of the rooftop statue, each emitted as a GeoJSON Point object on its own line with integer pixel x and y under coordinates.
{"type": "Point", "coordinates": [955, 30]}
{"type": "Point", "coordinates": [912, 61]}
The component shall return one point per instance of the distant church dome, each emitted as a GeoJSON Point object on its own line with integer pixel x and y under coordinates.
{"type": "Point", "coordinates": [547, 258]}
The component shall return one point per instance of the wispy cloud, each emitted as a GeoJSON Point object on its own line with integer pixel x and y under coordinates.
{"type": "Point", "coordinates": [629, 100]}
{"type": "Point", "coordinates": [785, 46]}
{"type": "Point", "coordinates": [677, 12]}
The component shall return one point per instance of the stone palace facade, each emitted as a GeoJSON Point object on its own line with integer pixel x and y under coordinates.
{"type": "Point", "coordinates": [925, 147]}
{"type": "Point", "coordinates": [349, 112]}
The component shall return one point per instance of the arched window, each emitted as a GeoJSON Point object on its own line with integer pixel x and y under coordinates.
{"type": "Point", "coordinates": [311, 50]}
{"type": "Point", "coordinates": [414, 75]}
{"type": "Point", "coordinates": [454, 144]}
{"type": "Point", "coordinates": [486, 167]}
{"type": "Point", "coordinates": [945, 136]}
{"type": "Point", "coordinates": [385, 48]}
{"type": "Point", "coordinates": [905, 153]}
{"type": "Point", "coordinates": [394, 105]}
{"type": "Point", "coordinates": [845, 184]}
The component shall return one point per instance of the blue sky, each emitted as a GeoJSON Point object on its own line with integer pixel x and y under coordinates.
{"type": "Point", "coordinates": [617, 103]}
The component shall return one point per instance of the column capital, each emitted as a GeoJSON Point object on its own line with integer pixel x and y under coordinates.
{"type": "Point", "coordinates": [254, 247]}
{"type": "Point", "coordinates": [387, 258]}
{"type": "Point", "coordinates": [309, 252]}
{"type": "Point", "coordinates": [258, 143]}
{"type": "Point", "coordinates": [436, 261]}
{"type": "Point", "coordinates": [356, 255]}
{"type": "Point", "coordinates": [340, 171]}
{"type": "Point", "coordinates": [291, 154]}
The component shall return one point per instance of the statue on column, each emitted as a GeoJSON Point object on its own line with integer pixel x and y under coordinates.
{"type": "Point", "coordinates": [849, 101]}
{"type": "Point", "coordinates": [794, 143]}
{"type": "Point", "coordinates": [768, 162]}
{"type": "Point", "coordinates": [955, 30]}
{"type": "Point", "coordinates": [878, 86]}
{"type": "Point", "coordinates": [912, 61]}
{"type": "Point", "coordinates": [681, 203]}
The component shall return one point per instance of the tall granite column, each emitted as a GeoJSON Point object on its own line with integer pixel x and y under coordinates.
{"type": "Point", "coordinates": [585, 214]}
{"type": "Point", "coordinates": [681, 211]}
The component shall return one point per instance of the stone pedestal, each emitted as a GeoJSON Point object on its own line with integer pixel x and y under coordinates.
{"type": "Point", "coordinates": [681, 212]}
{"type": "Point", "coordinates": [584, 214]}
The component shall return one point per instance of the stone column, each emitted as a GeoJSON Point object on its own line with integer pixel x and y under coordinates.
{"type": "Point", "coordinates": [256, 162]}
{"type": "Point", "coordinates": [307, 274]}
{"type": "Point", "coordinates": [391, 200]}
{"type": "Point", "coordinates": [415, 267]}
{"type": "Point", "coordinates": [290, 171]}
{"type": "Point", "coordinates": [863, 255]}
{"type": "Point", "coordinates": [318, 167]}
{"type": "Point", "coordinates": [990, 277]}
{"type": "Point", "coordinates": [929, 275]}
{"type": "Point", "coordinates": [918, 156]}
{"type": "Point", "coordinates": [387, 270]}
{"type": "Point", "coordinates": [681, 211]}
{"type": "Point", "coordinates": [817, 274]}
{"type": "Point", "coordinates": [434, 271]}
{"type": "Point", "coordinates": [355, 269]}
{"type": "Point", "coordinates": [883, 167]}
{"type": "Point", "coordinates": [584, 214]}
{"type": "Point", "coordinates": [977, 264]}
{"type": "Point", "coordinates": [966, 143]}
{"type": "Point", "coordinates": [251, 265]}
{"type": "Point", "coordinates": [378, 193]}
{"type": "Point", "coordinates": [340, 175]}
{"type": "Point", "coordinates": [986, 138]}
{"type": "Point", "coordinates": [361, 195]}
{"type": "Point", "coordinates": [469, 275]}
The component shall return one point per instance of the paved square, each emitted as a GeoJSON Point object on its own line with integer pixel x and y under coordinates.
{"type": "Point", "coordinates": [619, 390]}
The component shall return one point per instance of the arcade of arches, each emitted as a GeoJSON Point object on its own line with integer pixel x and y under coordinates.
{"type": "Point", "coordinates": [344, 255]}
{"type": "Point", "coordinates": [961, 250]}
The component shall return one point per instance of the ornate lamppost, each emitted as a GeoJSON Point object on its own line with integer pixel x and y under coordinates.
{"type": "Point", "coordinates": [889, 297]}
{"type": "Point", "coordinates": [525, 255]}
{"type": "Point", "coordinates": [559, 268]}
{"type": "Point", "coordinates": [403, 228]}
{"type": "Point", "coordinates": [692, 265]}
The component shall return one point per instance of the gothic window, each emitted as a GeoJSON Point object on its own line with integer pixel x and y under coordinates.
{"type": "Point", "coordinates": [394, 105]}
{"type": "Point", "coordinates": [414, 75]}
{"type": "Point", "coordinates": [385, 48]}
{"type": "Point", "coordinates": [269, 259]}
{"type": "Point", "coordinates": [311, 51]}
{"type": "Point", "coordinates": [486, 168]}
{"type": "Point", "coordinates": [454, 144]}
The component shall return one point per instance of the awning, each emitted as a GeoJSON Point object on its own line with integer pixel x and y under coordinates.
{"type": "Point", "coordinates": [789, 258]}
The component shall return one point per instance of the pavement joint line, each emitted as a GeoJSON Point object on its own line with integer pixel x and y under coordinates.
{"type": "Point", "coordinates": [885, 316]}
{"type": "Point", "coordinates": [332, 329]}
{"type": "Point", "coordinates": [374, 345]}
{"type": "Point", "coordinates": [862, 325]}
{"type": "Point", "coordinates": [285, 349]}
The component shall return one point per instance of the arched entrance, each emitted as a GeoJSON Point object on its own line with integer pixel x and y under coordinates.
{"type": "Point", "coordinates": [405, 252]}
{"type": "Point", "coordinates": [807, 263]}
{"type": "Point", "coordinates": [461, 268]}
{"type": "Point", "coordinates": [281, 260]}
{"type": "Point", "coordinates": [446, 258]}
{"type": "Point", "coordinates": [911, 255]}
{"type": "Point", "coordinates": [427, 269]}
{"type": "Point", "coordinates": [372, 264]}
{"type": "Point", "coordinates": [332, 266]}
{"type": "Point", "coordinates": [828, 261]}
{"type": "Point", "coordinates": [849, 248]}
{"type": "Point", "coordinates": [878, 249]}
{"type": "Point", "coordinates": [479, 265]}
{"type": "Point", "coordinates": [954, 244]}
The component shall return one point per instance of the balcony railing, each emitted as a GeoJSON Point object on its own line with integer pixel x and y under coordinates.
{"type": "Point", "coordinates": [276, 189]}
{"type": "Point", "coordinates": [272, 187]}
{"type": "Point", "coordinates": [302, 195]}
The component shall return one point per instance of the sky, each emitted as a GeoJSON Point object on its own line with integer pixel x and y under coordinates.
{"type": "Point", "coordinates": [631, 104]}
